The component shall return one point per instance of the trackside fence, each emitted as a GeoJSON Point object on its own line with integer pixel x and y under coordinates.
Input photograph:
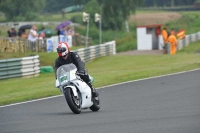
{"type": "Point", "coordinates": [20, 67]}
{"type": "Point", "coordinates": [92, 52]}
{"type": "Point", "coordinates": [188, 39]}
{"type": "Point", "coordinates": [14, 45]}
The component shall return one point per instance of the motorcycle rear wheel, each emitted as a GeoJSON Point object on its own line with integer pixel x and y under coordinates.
{"type": "Point", "coordinates": [73, 102]}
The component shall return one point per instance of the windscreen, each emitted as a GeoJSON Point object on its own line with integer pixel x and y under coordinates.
{"type": "Point", "coordinates": [64, 70]}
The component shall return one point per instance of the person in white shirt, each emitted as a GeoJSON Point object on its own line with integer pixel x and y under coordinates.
{"type": "Point", "coordinates": [69, 35]}
{"type": "Point", "coordinates": [32, 37]}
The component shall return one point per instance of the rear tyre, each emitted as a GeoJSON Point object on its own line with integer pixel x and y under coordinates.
{"type": "Point", "coordinates": [73, 101]}
{"type": "Point", "coordinates": [96, 104]}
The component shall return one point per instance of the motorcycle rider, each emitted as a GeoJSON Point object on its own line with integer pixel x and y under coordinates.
{"type": "Point", "coordinates": [67, 57]}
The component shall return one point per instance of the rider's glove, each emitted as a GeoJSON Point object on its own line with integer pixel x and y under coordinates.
{"type": "Point", "coordinates": [82, 72]}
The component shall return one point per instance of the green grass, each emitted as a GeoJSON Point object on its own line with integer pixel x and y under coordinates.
{"type": "Point", "coordinates": [105, 70]}
{"type": "Point", "coordinates": [189, 21]}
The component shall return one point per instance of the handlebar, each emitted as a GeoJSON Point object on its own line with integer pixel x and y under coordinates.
{"type": "Point", "coordinates": [80, 73]}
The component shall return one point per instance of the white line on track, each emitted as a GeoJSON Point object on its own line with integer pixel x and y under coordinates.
{"type": "Point", "coordinates": [100, 87]}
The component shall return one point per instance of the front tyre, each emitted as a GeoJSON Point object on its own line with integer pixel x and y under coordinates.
{"type": "Point", "coordinates": [96, 104]}
{"type": "Point", "coordinates": [73, 101]}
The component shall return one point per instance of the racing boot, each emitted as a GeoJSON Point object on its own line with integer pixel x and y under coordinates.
{"type": "Point", "coordinates": [94, 92]}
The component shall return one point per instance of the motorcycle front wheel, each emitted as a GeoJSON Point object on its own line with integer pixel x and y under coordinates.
{"type": "Point", "coordinates": [73, 101]}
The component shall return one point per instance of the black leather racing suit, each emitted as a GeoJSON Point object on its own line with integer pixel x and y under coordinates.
{"type": "Point", "coordinates": [76, 60]}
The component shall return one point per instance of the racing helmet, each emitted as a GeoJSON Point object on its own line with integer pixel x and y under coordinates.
{"type": "Point", "coordinates": [63, 49]}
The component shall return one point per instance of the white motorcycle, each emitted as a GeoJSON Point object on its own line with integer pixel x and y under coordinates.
{"type": "Point", "coordinates": [77, 93]}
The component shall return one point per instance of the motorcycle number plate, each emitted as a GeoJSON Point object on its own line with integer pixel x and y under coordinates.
{"type": "Point", "coordinates": [63, 79]}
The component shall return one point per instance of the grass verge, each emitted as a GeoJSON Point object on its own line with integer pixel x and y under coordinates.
{"type": "Point", "coordinates": [105, 70]}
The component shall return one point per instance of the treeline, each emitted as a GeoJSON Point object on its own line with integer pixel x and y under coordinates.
{"type": "Point", "coordinates": [113, 12]}
{"type": "Point", "coordinates": [53, 6]}
{"type": "Point", "coordinates": [160, 3]}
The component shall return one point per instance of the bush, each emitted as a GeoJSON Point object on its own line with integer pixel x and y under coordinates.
{"type": "Point", "coordinates": [32, 16]}
{"type": "Point", "coordinates": [94, 34]}
{"type": "Point", "coordinates": [80, 29]}
{"type": "Point", "coordinates": [18, 18]}
{"type": "Point", "coordinates": [197, 1]}
{"type": "Point", "coordinates": [125, 44]}
{"type": "Point", "coordinates": [77, 19]}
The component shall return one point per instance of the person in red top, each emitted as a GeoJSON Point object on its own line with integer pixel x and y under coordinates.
{"type": "Point", "coordinates": [42, 33]}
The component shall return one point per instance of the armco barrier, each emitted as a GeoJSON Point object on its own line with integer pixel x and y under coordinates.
{"type": "Point", "coordinates": [20, 67]}
{"type": "Point", "coordinates": [92, 52]}
{"type": "Point", "coordinates": [188, 39]}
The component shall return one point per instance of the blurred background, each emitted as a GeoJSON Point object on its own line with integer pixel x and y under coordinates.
{"type": "Point", "coordinates": [119, 18]}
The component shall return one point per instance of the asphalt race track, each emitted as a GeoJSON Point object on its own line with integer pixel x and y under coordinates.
{"type": "Point", "coordinates": [169, 104]}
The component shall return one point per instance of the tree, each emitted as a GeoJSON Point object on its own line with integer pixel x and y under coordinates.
{"type": "Point", "coordinates": [114, 13]}
{"type": "Point", "coordinates": [81, 2]}
{"type": "Point", "coordinates": [57, 5]}
{"type": "Point", "coordinates": [150, 3]}
{"type": "Point", "coordinates": [20, 10]}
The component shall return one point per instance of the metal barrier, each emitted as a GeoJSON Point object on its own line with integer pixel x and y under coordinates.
{"type": "Point", "coordinates": [20, 67]}
{"type": "Point", "coordinates": [188, 39]}
{"type": "Point", "coordinates": [92, 52]}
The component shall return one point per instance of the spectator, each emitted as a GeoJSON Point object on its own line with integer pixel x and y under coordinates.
{"type": "Point", "coordinates": [23, 34]}
{"type": "Point", "coordinates": [32, 37]}
{"type": "Point", "coordinates": [172, 32]}
{"type": "Point", "coordinates": [12, 32]}
{"type": "Point", "coordinates": [58, 32]}
{"type": "Point", "coordinates": [41, 36]}
{"type": "Point", "coordinates": [165, 36]}
{"type": "Point", "coordinates": [173, 42]}
{"type": "Point", "coordinates": [62, 31]}
{"type": "Point", "coordinates": [70, 31]}
{"type": "Point", "coordinates": [42, 33]}
{"type": "Point", "coordinates": [9, 33]}
{"type": "Point", "coordinates": [158, 31]}
{"type": "Point", "coordinates": [69, 35]}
